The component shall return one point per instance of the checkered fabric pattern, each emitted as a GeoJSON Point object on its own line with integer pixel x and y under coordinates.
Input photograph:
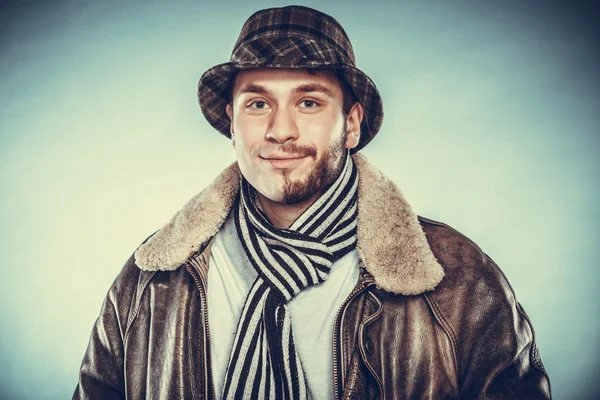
{"type": "Point", "coordinates": [291, 37]}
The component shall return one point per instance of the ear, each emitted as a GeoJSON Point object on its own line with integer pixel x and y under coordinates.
{"type": "Point", "coordinates": [353, 121]}
{"type": "Point", "coordinates": [230, 115]}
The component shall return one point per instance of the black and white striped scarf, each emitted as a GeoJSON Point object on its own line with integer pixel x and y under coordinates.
{"type": "Point", "coordinates": [263, 362]}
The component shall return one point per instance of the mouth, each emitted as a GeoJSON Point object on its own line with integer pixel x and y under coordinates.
{"type": "Point", "coordinates": [284, 161]}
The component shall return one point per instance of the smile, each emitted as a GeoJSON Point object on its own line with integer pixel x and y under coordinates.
{"type": "Point", "coordinates": [284, 162]}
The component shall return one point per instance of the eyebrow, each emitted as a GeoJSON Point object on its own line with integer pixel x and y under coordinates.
{"type": "Point", "coordinates": [313, 87]}
{"type": "Point", "coordinates": [253, 88]}
{"type": "Point", "coordinates": [305, 88]}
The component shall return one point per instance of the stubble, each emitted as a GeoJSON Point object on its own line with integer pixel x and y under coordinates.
{"type": "Point", "coordinates": [320, 177]}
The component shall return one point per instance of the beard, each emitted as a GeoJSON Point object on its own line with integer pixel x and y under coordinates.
{"type": "Point", "coordinates": [320, 177]}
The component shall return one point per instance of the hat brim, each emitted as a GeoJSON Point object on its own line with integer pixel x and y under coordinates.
{"type": "Point", "coordinates": [214, 83]}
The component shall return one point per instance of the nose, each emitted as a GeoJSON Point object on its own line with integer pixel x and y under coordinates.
{"type": "Point", "coordinates": [282, 126]}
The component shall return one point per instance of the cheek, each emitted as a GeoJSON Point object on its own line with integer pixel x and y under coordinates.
{"type": "Point", "coordinates": [244, 158]}
{"type": "Point", "coordinates": [323, 132]}
{"type": "Point", "coordinates": [244, 121]}
{"type": "Point", "coordinates": [249, 133]}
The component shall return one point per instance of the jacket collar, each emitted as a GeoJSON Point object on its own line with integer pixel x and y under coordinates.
{"type": "Point", "coordinates": [390, 241]}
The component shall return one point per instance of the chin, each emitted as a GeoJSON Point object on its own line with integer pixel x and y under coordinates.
{"type": "Point", "coordinates": [271, 191]}
{"type": "Point", "coordinates": [275, 197]}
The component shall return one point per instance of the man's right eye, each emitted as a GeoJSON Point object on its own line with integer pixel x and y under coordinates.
{"type": "Point", "coordinates": [259, 105]}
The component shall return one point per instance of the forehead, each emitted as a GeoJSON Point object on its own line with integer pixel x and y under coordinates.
{"type": "Point", "coordinates": [276, 79]}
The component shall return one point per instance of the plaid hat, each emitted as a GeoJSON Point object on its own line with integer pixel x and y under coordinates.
{"type": "Point", "coordinates": [290, 37]}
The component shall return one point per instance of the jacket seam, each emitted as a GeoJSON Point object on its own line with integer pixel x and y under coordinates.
{"type": "Point", "coordinates": [532, 350]}
{"type": "Point", "coordinates": [138, 298]}
{"type": "Point", "coordinates": [141, 287]}
{"type": "Point", "coordinates": [344, 339]}
{"type": "Point", "coordinates": [449, 332]}
{"type": "Point", "coordinates": [361, 330]}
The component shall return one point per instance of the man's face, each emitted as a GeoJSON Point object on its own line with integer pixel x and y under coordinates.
{"type": "Point", "coordinates": [289, 131]}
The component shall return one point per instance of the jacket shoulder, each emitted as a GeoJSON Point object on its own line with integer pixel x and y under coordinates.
{"type": "Point", "coordinates": [471, 278]}
{"type": "Point", "coordinates": [125, 291]}
{"type": "Point", "coordinates": [102, 370]}
{"type": "Point", "coordinates": [465, 264]}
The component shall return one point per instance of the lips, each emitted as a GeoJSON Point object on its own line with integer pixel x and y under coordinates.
{"type": "Point", "coordinates": [279, 161]}
{"type": "Point", "coordinates": [283, 156]}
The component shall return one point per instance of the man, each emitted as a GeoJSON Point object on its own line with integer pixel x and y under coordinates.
{"type": "Point", "coordinates": [301, 271]}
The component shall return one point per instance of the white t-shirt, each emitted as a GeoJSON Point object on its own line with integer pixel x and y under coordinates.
{"type": "Point", "coordinates": [313, 311]}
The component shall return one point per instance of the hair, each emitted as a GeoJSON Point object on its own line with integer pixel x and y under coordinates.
{"type": "Point", "coordinates": [348, 96]}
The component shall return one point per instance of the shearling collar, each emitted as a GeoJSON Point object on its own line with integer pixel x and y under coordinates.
{"type": "Point", "coordinates": [391, 243]}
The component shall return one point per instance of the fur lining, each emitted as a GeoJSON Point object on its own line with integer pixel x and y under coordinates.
{"type": "Point", "coordinates": [391, 243]}
{"type": "Point", "coordinates": [199, 220]}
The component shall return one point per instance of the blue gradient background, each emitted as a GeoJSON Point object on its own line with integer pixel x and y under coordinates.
{"type": "Point", "coordinates": [492, 126]}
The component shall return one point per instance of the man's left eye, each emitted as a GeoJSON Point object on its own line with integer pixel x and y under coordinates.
{"type": "Point", "coordinates": [309, 103]}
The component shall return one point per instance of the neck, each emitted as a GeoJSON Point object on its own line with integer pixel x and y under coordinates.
{"type": "Point", "coordinates": [283, 215]}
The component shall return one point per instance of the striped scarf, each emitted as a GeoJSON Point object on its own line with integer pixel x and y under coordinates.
{"type": "Point", "coordinates": [263, 362]}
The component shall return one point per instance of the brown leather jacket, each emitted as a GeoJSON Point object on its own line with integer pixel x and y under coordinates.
{"type": "Point", "coordinates": [432, 316]}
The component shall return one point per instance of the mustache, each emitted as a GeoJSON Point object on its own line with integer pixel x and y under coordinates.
{"type": "Point", "coordinates": [296, 149]}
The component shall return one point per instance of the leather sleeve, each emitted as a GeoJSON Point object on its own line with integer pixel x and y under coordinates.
{"type": "Point", "coordinates": [494, 341]}
{"type": "Point", "coordinates": [101, 375]}
{"type": "Point", "coordinates": [502, 361]}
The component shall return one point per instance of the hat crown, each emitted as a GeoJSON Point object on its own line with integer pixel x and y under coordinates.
{"type": "Point", "coordinates": [297, 33]}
